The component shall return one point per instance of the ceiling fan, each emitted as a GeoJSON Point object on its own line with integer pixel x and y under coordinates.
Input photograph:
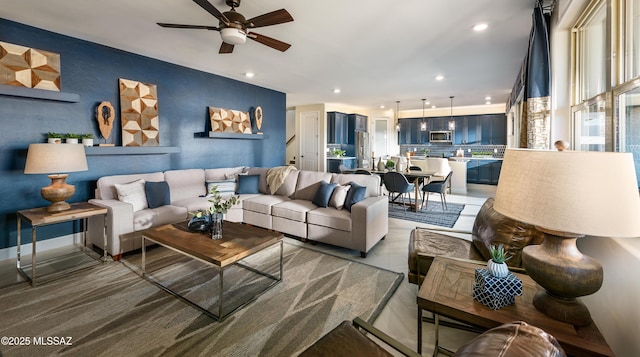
{"type": "Point", "coordinates": [233, 27]}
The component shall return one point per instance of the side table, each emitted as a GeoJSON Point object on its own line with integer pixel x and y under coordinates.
{"type": "Point", "coordinates": [447, 291]}
{"type": "Point", "coordinates": [38, 217]}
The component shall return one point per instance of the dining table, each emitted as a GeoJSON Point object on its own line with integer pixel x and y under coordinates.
{"type": "Point", "coordinates": [420, 178]}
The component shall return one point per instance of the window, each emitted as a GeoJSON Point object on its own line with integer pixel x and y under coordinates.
{"type": "Point", "coordinates": [589, 125]}
{"type": "Point", "coordinates": [627, 119]}
{"type": "Point", "coordinates": [591, 52]}
{"type": "Point", "coordinates": [631, 16]}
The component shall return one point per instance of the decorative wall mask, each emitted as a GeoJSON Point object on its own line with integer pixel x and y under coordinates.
{"type": "Point", "coordinates": [139, 113]}
{"type": "Point", "coordinates": [105, 115]}
{"type": "Point", "coordinates": [229, 121]}
{"type": "Point", "coordinates": [258, 117]}
{"type": "Point", "coordinates": [28, 67]}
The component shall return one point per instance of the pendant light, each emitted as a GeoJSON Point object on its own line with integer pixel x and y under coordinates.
{"type": "Point", "coordinates": [397, 115]}
{"type": "Point", "coordinates": [452, 123]}
{"type": "Point", "coordinates": [423, 124]}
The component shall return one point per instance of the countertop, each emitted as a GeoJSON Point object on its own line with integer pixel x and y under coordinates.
{"type": "Point", "coordinates": [341, 158]}
{"type": "Point", "coordinates": [467, 158]}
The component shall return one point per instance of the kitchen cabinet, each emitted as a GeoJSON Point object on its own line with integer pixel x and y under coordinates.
{"type": "Point", "coordinates": [358, 122]}
{"type": "Point", "coordinates": [337, 128]}
{"type": "Point", "coordinates": [333, 164]}
{"type": "Point", "coordinates": [489, 129]}
{"type": "Point", "coordinates": [484, 171]}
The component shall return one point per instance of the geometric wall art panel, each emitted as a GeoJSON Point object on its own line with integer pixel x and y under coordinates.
{"type": "Point", "coordinates": [229, 121]}
{"type": "Point", "coordinates": [28, 67]}
{"type": "Point", "coordinates": [139, 113]}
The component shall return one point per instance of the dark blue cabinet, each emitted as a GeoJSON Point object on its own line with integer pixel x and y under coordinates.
{"type": "Point", "coordinates": [484, 171]}
{"type": "Point", "coordinates": [334, 164]}
{"type": "Point", "coordinates": [489, 129]}
{"type": "Point", "coordinates": [493, 129]}
{"type": "Point", "coordinates": [337, 128]}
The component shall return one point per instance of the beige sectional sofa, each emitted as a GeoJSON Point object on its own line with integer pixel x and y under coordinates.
{"type": "Point", "coordinates": [289, 210]}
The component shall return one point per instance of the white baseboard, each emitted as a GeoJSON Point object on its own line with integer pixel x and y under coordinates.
{"type": "Point", "coordinates": [53, 243]}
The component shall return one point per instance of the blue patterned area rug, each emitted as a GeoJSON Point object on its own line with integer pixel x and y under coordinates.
{"type": "Point", "coordinates": [432, 214]}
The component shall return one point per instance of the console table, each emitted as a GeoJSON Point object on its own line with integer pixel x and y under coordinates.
{"type": "Point", "coordinates": [447, 291]}
{"type": "Point", "coordinates": [37, 217]}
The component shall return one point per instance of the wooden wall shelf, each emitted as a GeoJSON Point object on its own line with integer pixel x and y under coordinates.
{"type": "Point", "coordinates": [131, 150]}
{"type": "Point", "coordinates": [22, 92]}
{"type": "Point", "coordinates": [214, 135]}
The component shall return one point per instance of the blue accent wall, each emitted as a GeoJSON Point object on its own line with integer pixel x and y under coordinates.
{"type": "Point", "coordinates": [92, 71]}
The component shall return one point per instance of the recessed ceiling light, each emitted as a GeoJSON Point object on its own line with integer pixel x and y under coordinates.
{"type": "Point", "coordinates": [427, 103]}
{"type": "Point", "coordinates": [337, 90]}
{"type": "Point", "coordinates": [382, 107]}
{"type": "Point", "coordinates": [487, 102]}
{"type": "Point", "coordinates": [487, 98]}
{"type": "Point", "coordinates": [439, 78]}
{"type": "Point", "coordinates": [433, 107]}
{"type": "Point", "coordinates": [480, 27]}
{"type": "Point", "coordinates": [249, 74]}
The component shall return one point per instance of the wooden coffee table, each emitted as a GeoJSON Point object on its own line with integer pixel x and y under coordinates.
{"type": "Point", "coordinates": [447, 291]}
{"type": "Point", "coordinates": [238, 241]}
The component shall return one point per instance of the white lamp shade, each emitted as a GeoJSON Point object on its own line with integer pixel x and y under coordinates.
{"type": "Point", "coordinates": [55, 158]}
{"type": "Point", "coordinates": [590, 193]}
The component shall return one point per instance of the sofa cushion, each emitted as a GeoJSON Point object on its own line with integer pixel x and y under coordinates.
{"type": "Point", "coordinates": [194, 204]}
{"type": "Point", "coordinates": [295, 210]}
{"type": "Point", "coordinates": [338, 196]}
{"type": "Point", "coordinates": [263, 203]}
{"type": "Point", "coordinates": [153, 217]}
{"type": "Point", "coordinates": [288, 187]}
{"type": "Point", "coordinates": [133, 194]}
{"type": "Point", "coordinates": [248, 184]}
{"type": "Point", "coordinates": [323, 194]}
{"type": "Point", "coordinates": [185, 183]}
{"type": "Point", "coordinates": [225, 173]}
{"type": "Point", "coordinates": [330, 217]}
{"type": "Point", "coordinates": [372, 182]}
{"type": "Point", "coordinates": [106, 190]}
{"type": "Point", "coordinates": [356, 194]}
{"type": "Point", "coordinates": [308, 184]}
{"type": "Point", "coordinates": [157, 193]}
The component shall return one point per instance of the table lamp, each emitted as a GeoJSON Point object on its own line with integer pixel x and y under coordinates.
{"type": "Point", "coordinates": [568, 195]}
{"type": "Point", "coordinates": [53, 159]}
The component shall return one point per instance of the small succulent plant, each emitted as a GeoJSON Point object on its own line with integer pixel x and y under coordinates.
{"type": "Point", "coordinates": [498, 254]}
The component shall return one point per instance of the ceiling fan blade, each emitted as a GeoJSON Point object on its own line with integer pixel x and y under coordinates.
{"type": "Point", "coordinates": [226, 48]}
{"type": "Point", "coordinates": [268, 41]}
{"type": "Point", "coordinates": [268, 19]}
{"type": "Point", "coordinates": [197, 27]}
{"type": "Point", "coordinates": [212, 10]}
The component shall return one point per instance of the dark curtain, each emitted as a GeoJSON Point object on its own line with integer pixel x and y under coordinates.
{"type": "Point", "coordinates": [535, 79]}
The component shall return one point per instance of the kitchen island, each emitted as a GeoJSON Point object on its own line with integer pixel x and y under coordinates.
{"type": "Point", "coordinates": [334, 162]}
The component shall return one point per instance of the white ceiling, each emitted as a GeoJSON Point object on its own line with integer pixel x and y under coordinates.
{"type": "Point", "coordinates": [375, 51]}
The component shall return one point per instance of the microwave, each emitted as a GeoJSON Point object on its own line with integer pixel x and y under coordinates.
{"type": "Point", "coordinates": [441, 136]}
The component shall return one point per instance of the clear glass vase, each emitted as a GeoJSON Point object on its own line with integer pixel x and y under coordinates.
{"type": "Point", "coordinates": [216, 225]}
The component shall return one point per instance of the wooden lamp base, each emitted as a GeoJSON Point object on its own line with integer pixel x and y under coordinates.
{"type": "Point", "coordinates": [57, 193]}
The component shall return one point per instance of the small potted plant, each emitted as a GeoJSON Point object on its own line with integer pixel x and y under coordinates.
{"type": "Point", "coordinates": [87, 139]}
{"type": "Point", "coordinates": [497, 264]}
{"type": "Point", "coordinates": [390, 164]}
{"type": "Point", "coordinates": [54, 138]}
{"type": "Point", "coordinates": [71, 138]}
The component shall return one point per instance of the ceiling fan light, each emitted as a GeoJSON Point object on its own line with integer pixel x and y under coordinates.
{"type": "Point", "coordinates": [233, 36]}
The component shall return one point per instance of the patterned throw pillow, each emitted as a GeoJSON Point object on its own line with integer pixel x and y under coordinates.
{"type": "Point", "coordinates": [133, 193]}
{"type": "Point", "coordinates": [224, 186]}
{"type": "Point", "coordinates": [339, 196]}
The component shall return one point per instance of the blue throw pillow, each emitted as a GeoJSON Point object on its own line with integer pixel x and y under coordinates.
{"type": "Point", "coordinates": [248, 184]}
{"type": "Point", "coordinates": [356, 194]}
{"type": "Point", "coordinates": [157, 193]}
{"type": "Point", "coordinates": [323, 194]}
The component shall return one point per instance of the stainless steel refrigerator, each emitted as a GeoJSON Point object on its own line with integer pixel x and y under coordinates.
{"type": "Point", "coordinates": [363, 149]}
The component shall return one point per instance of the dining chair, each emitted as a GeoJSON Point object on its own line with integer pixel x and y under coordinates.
{"type": "Point", "coordinates": [396, 182]}
{"type": "Point", "coordinates": [437, 187]}
{"type": "Point", "coordinates": [414, 180]}
{"type": "Point", "coordinates": [362, 172]}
